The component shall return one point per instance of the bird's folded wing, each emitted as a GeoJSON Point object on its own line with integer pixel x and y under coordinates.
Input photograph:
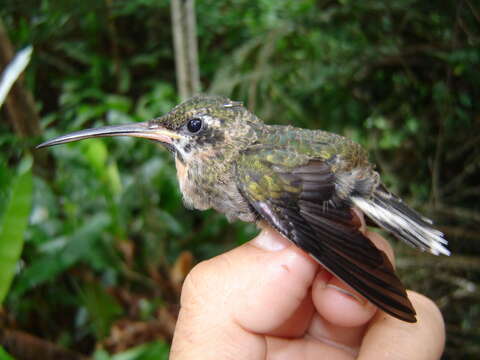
{"type": "Point", "coordinates": [300, 202]}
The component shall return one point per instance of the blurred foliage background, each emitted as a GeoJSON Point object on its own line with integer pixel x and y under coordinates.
{"type": "Point", "coordinates": [108, 241]}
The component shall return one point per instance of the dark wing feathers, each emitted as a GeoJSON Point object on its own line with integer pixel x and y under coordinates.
{"type": "Point", "coordinates": [308, 212]}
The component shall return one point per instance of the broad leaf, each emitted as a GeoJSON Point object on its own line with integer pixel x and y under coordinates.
{"type": "Point", "coordinates": [4, 355]}
{"type": "Point", "coordinates": [13, 224]}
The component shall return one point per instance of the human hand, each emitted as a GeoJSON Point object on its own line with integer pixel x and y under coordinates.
{"type": "Point", "coordinates": [267, 299]}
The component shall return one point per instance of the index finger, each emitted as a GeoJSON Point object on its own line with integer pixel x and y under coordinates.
{"type": "Point", "coordinates": [337, 302]}
{"type": "Point", "coordinates": [390, 338]}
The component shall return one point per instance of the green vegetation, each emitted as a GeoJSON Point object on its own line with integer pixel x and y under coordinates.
{"type": "Point", "coordinates": [12, 227]}
{"type": "Point", "coordinates": [108, 239]}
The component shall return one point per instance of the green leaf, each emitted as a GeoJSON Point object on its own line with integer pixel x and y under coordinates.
{"type": "Point", "coordinates": [113, 179]}
{"type": "Point", "coordinates": [96, 154]}
{"type": "Point", "coordinates": [80, 245]}
{"type": "Point", "coordinates": [4, 355]}
{"type": "Point", "coordinates": [102, 308]}
{"type": "Point", "coordinates": [156, 350]}
{"type": "Point", "coordinates": [13, 225]}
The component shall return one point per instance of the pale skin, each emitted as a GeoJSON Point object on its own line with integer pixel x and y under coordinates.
{"type": "Point", "coordinates": [267, 299]}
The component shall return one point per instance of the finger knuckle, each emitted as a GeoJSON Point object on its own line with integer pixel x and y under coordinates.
{"type": "Point", "coordinates": [197, 276]}
{"type": "Point", "coordinates": [427, 309]}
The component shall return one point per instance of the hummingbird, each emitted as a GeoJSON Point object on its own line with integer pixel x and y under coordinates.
{"type": "Point", "coordinates": [303, 183]}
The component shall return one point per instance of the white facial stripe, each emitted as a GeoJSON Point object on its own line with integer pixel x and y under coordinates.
{"type": "Point", "coordinates": [209, 120]}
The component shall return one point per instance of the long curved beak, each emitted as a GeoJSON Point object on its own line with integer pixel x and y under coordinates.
{"type": "Point", "coordinates": [147, 130]}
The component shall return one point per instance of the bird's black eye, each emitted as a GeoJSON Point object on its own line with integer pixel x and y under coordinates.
{"type": "Point", "coordinates": [194, 125]}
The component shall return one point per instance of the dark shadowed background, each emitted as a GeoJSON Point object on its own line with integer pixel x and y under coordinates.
{"type": "Point", "coordinates": [108, 241]}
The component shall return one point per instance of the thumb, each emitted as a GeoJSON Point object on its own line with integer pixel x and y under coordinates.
{"type": "Point", "coordinates": [229, 301]}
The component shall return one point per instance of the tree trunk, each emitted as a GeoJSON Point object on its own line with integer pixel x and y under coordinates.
{"type": "Point", "coordinates": [185, 46]}
{"type": "Point", "coordinates": [24, 346]}
{"type": "Point", "coordinates": [20, 108]}
{"type": "Point", "coordinates": [19, 102]}
{"type": "Point", "coordinates": [192, 47]}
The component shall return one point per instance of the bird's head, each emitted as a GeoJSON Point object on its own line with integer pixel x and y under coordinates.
{"type": "Point", "coordinates": [202, 126]}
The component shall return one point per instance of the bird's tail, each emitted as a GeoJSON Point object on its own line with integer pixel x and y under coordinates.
{"type": "Point", "coordinates": [389, 212]}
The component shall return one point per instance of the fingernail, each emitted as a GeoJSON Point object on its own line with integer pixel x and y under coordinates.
{"type": "Point", "coordinates": [322, 277]}
{"type": "Point", "coordinates": [359, 219]}
{"type": "Point", "coordinates": [348, 293]}
{"type": "Point", "coordinates": [270, 240]}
